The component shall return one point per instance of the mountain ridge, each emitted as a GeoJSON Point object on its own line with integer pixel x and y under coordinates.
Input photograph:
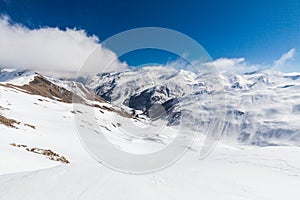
{"type": "Point", "coordinates": [260, 108]}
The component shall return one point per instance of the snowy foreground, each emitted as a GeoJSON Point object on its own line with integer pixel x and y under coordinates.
{"type": "Point", "coordinates": [229, 172]}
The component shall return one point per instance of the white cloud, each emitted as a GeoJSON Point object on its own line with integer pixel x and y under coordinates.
{"type": "Point", "coordinates": [52, 49]}
{"type": "Point", "coordinates": [222, 65]}
{"type": "Point", "coordinates": [238, 65]}
{"type": "Point", "coordinates": [284, 58]}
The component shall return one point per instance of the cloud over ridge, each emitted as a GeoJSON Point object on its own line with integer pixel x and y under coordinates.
{"type": "Point", "coordinates": [240, 65]}
{"type": "Point", "coordinates": [52, 49]}
{"type": "Point", "coordinates": [285, 57]}
{"type": "Point", "coordinates": [63, 52]}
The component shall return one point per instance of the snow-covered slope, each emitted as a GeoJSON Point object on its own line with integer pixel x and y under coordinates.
{"type": "Point", "coordinates": [17, 77]}
{"type": "Point", "coordinates": [43, 121]}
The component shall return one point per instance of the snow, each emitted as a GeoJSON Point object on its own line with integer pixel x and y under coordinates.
{"type": "Point", "coordinates": [16, 77]}
{"type": "Point", "coordinates": [231, 171]}
{"type": "Point", "coordinates": [263, 105]}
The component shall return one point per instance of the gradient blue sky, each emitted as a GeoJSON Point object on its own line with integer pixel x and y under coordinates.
{"type": "Point", "coordinates": [260, 31]}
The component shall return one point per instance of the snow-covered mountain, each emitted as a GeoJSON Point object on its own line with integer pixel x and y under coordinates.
{"type": "Point", "coordinates": [81, 102]}
{"type": "Point", "coordinates": [262, 108]}
{"type": "Point", "coordinates": [42, 156]}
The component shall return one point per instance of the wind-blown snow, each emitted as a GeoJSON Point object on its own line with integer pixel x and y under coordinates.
{"type": "Point", "coordinates": [262, 107]}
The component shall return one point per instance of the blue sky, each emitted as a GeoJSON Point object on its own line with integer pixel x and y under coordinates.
{"type": "Point", "coordinates": [259, 31]}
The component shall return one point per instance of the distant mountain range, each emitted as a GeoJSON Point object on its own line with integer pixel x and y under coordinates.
{"type": "Point", "coordinates": [262, 108]}
{"type": "Point", "coordinates": [259, 108]}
